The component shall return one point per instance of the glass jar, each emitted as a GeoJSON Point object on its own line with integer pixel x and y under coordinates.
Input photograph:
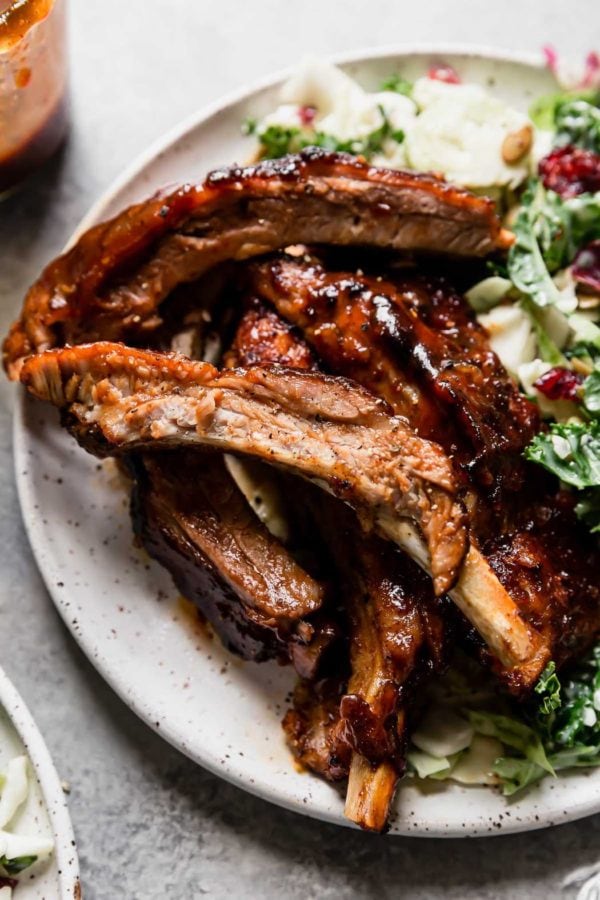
{"type": "Point", "coordinates": [33, 85]}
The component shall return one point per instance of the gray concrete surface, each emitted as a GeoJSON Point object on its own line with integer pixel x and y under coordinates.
{"type": "Point", "coordinates": [149, 823]}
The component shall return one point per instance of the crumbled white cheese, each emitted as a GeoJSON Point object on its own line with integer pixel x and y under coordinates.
{"type": "Point", "coordinates": [342, 107]}
{"type": "Point", "coordinates": [460, 132]}
{"type": "Point", "coordinates": [561, 446]}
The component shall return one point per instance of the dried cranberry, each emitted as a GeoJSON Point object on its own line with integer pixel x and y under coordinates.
{"type": "Point", "coordinates": [307, 115]}
{"type": "Point", "coordinates": [444, 73]}
{"type": "Point", "coordinates": [559, 384]}
{"type": "Point", "coordinates": [586, 266]}
{"type": "Point", "coordinates": [570, 170]}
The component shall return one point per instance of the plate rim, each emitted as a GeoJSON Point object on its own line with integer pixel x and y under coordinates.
{"type": "Point", "coordinates": [237, 95]}
{"type": "Point", "coordinates": [65, 847]}
{"type": "Point", "coordinates": [157, 147]}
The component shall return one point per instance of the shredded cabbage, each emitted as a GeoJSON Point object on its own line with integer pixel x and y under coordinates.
{"type": "Point", "coordinates": [17, 851]}
{"type": "Point", "coordinates": [456, 130]}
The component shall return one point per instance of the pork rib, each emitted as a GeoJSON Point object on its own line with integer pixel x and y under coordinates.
{"type": "Point", "coordinates": [118, 399]}
{"type": "Point", "coordinates": [395, 630]}
{"type": "Point", "coordinates": [396, 636]}
{"type": "Point", "coordinates": [409, 337]}
{"type": "Point", "coordinates": [110, 284]}
{"type": "Point", "coordinates": [415, 344]}
{"type": "Point", "coordinates": [190, 515]}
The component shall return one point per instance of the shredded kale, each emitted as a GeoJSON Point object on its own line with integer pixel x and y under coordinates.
{"type": "Point", "coordinates": [279, 140]}
{"type": "Point", "coordinates": [577, 123]}
{"type": "Point", "coordinates": [562, 729]}
{"type": "Point", "coordinates": [249, 125]}
{"type": "Point", "coordinates": [549, 690]}
{"type": "Point", "coordinates": [571, 451]}
{"type": "Point", "coordinates": [575, 724]}
{"type": "Point", "coordinates": [549, 230]}
{"type": "Point", "coordinates": [16, 865]}
{"type": "Point", "coordinates": [544, 111]}
{"type": "Point", "coordinates": [398, 84]}
{"type": "Point", "coordinates": [540, 235]}
{"type": "Point", "coordinates": [276, 141]}
{"type": "Point", "coordinates": [591, 392]}
{"type": "Point", "coordinates": [586, 350]}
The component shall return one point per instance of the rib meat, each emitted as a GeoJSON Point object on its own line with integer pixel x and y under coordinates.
{"type": "Point", "coordinates": [414, 343]}
{"type": "Point", "coordinates": [117, 399]}
{"type": "Point", "coordinates": [324, 428]}
{"type": "Point", "coordinates": [397, 635]}
{"type": "Point", "coordinates": [549, 562]}
{"type": "Point", "coordinates": [192, 518]}
{"type": "Point", "coordinates": [110, 284]}
{"type": "Point", "coordinates": [431, 361]}
{"type": "Point", "coordinates": [395, 630]}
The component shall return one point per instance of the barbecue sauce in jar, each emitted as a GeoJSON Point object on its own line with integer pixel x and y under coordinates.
{"type": "Point", "coordinates": [33, 85]}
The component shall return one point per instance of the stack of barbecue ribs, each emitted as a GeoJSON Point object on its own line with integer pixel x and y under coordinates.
{"type": "Point", "coordinates": [315, 340]}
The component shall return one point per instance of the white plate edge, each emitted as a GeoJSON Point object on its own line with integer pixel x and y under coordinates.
{"type": "Point", "coordinates": [67, 860]}
{"type": "Point", "coordinates": [94, 214]}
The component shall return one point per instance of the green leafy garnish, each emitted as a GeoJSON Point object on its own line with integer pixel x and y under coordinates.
{"type": "Point", "coordinates": [513, 734]}
{"type": "Point", "coordinates": [576, 722]}
{"type": "Point", "coordinates": [16, 865]}
{"type": "Point", "coordinates": [279, 140]}
{"type": "Point", "coordinates": [249, 125]}
{"type": "Point", "coordinates": [517, 773]}
{"type": "Point", "coordinates": [544, 110]}
{"type": "Point", "coordinates": [398, 84]}
{"type": "Point", "coordinates": [549, 690]}
{"type": "Point", "coordinates": [526, 266]}
{"type": "Point", "coordinates": [591, 392]}
{"type": "Point", "coordinates": [578, 123]}
{"type": "Point", "coordinates": [549, 230]}
{"type": "Point", "coordinates": [548, 349]}
{"type": "Point", "coordinates": [571, 451]}
{"type": "Point", "coordinates": [565, 722]}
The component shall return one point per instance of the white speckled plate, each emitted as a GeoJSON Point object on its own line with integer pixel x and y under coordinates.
{"type": "Point", "coordinates": [45, 812]}
{"type": "Point", "coordinates": [221, 712]}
